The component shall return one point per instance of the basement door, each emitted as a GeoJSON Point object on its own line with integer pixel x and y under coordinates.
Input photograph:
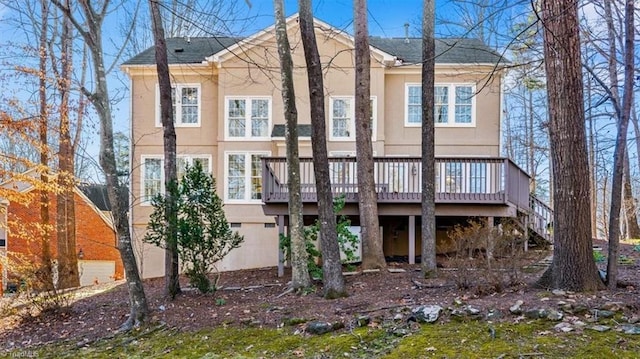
{"type": "Point", "coordinates": [94, 272]}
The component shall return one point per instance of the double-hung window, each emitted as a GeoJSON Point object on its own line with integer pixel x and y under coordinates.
{"type": "Point", "coordinates": [152, 172]}
{"type": "Point", "coordinates": [243, 171]}
{"type": "Point", "coordinates": [183, 161]}
{"type": "Point", "coordinates": [414, 105]}
{"type": "Point", "coordinates": [247, 117]}
{"type": "Point", "coordinates": [343, 123]}
{"type": "Point", "coordinates": [152, 178]}
{"type": "Point", "coordinates": [454, 105]}
{"type": "Point", "coordinates": [185, 100]}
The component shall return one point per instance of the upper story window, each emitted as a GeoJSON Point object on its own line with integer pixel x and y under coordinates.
{"type": "Point", "coordinates": [152, 172]}
{"type": "Point", "coordinates": [453, 105]}
{"type": "Point", "coordinates": [243, 176]}
{"type": "Point", "coordinates": [247, 117]}
{"type": "Point", "coordinates": [186, 99]}
{"type": "Point", "coordinates": [414, 105]}
{"type": "Point", "coordinates": [342, 121]}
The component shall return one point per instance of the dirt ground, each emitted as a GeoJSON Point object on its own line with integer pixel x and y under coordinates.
{"type": "Point", "coordinates": [254, 297]}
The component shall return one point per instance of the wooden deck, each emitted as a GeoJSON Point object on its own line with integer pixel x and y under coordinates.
{"type": "Point", "coordinates": [495, 181]}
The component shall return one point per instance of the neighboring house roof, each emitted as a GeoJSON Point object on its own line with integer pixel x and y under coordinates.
{"type": "Point", "coordinates": [304, 130]}
{"type": "Point", "coordinates": [408, 50]}
{"type": "Point", "coordinates": [97, 193]}
{"type": "Point", "coordinates": [21, 183]}
{"type": "Point", "coordinates": [181, 50]}
{"type": "Point", "coordinates": [448, 50]}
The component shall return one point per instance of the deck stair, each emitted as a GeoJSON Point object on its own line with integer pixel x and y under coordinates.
{"type": "Point", "coordinates": [540, 222]}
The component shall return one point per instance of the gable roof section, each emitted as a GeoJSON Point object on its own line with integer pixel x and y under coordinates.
{"type": "Point", "coordinates": [197, 50]}
{"type": "Point", "coordinates": [182, 50]}
{"type": "Point", "coordinates": [448, 50]}
{"type": "Point", "coordinates": [269, 33]}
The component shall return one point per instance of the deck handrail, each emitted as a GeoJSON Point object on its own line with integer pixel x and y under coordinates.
{"type": "Point", "coordinates": [495, 180]}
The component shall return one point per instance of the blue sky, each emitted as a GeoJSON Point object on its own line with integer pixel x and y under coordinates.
{"type": "Point", "coordinates": [386, 17]}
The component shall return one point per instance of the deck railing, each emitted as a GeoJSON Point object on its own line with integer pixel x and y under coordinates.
{"type": "Point", "coordinates": [541, 219]}
{"type": "Point", "coordinates": [398, 179]}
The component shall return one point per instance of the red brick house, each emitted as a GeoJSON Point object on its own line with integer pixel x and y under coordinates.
{"type": "Point", "coordinates": [96, 246]}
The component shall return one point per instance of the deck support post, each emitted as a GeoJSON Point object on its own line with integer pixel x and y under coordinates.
{"type": "Point", "coordinates": [526, 234]}
{"type": "Point", "coordinates": [280, 251]}
{"type": "Point", "coordinates": [412, 239]}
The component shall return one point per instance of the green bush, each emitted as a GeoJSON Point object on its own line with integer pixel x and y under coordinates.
{"type": "Point", "coordinates": [346, 240]}
{"type": "Point", "coordinates": [599, 257]}
{"type": "Point", "coordinates": [204, 235]}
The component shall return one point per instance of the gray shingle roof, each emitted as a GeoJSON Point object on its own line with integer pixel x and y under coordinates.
{"type": "Point", "coordinates": [181, 51]}
{"type": "Point", "coordinates": [448, 50]}
{"type": "Point", "coordinates": [304, 130]}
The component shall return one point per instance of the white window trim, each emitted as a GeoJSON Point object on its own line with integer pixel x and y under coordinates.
{"type": "Point", "coordinates": [143, 200]}
{"type": "Point", "coordinates": [177, 87]}
{"type": "Point", "coordinates": [143, 158]}
{"type": "Point", "coordinates": [352, 128]}
{"type": "Point", "coordinates": [451, 104]}
{"type": "Point", "coordinates": [406, 104]}
{"type": "Point", "coordinates": [247, 127]}
{"type": "Point", "coordinates": [374, 118]}
{"type": "Point", "coordinates": [247, 176]}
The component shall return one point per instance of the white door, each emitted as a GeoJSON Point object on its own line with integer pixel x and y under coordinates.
{"type": "Point", "coordinates": [95, 272]}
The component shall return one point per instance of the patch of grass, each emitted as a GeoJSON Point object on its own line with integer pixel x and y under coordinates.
{"type": "Point", "coordinates": [624, 260]}
{"type": "Point", "coordinates": [442, 340]}
{"type": "Point", "coordinates": [218, 343]}
{"type": "Point", "coordinates": [474, 340]}
{"type": "Point", "coordinates": [599, 257]}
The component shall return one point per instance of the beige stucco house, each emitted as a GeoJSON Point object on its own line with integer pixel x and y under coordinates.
{"type": "Point", "coordinates": [229, 116]}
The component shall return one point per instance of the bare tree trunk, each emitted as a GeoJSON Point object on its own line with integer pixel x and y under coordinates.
{"type": "Point", "coordinates": [91, 32]}
{"type": "Point", "coordinates": [171, 275]}
{"type": "Point", "coordinates": [605, 205]}
{"type": "Point", "coordinates": [633, 230]}
{"type": "Point", "coordinates": [299, 270]}
{"type": "Point", "coordinates": [82, 104]}
{"type": "Point", "coordinates": [428, 226]}
{"type": "Point", "coordinates": [331, 266]}
{"type": "Point", "coordinates": [636, 130]}
{"type": "Point", "coordinates": [592, 168]}
{"type": "Point", "coordinates": [46, 269]}
{"type": "Point", "coordinates": [621, 141]}
{"type": "Point", "coordinates": [68, 275]}
{"type": "Point", "coordinates": [573, 266]}
{"type": "Point", "coordinates": [532, 145]}
{"type": "Point", "coordinates": [372, 252]}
